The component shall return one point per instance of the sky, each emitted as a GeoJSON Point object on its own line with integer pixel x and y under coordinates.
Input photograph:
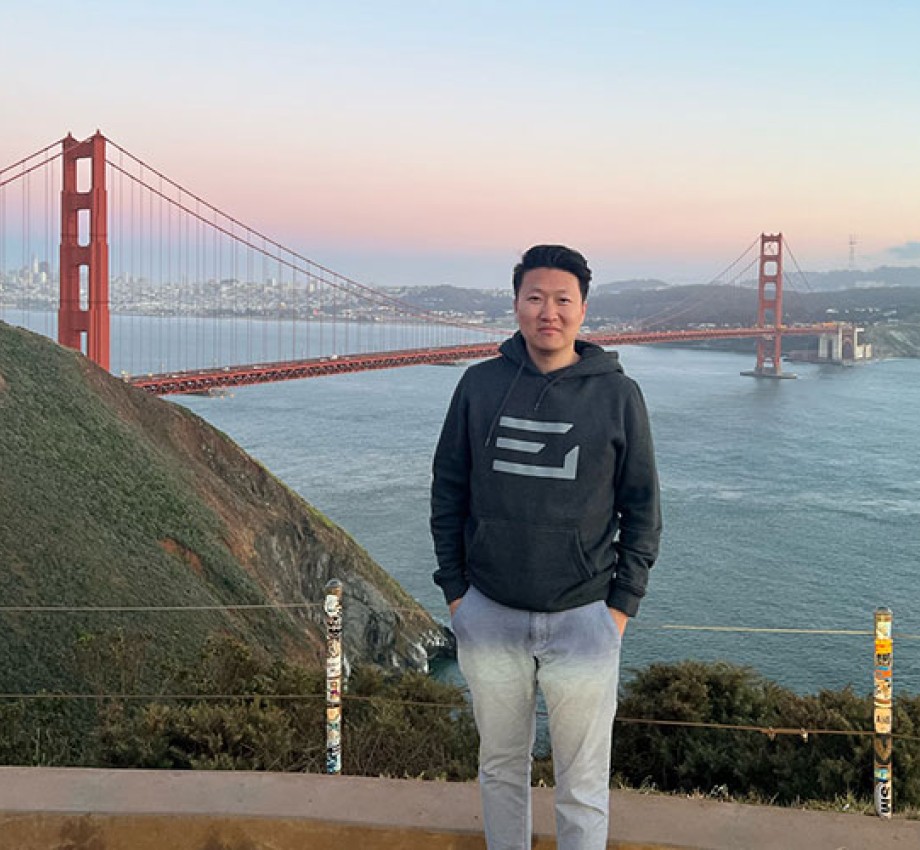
{"type": "Point", "coordinates": [431, 142]}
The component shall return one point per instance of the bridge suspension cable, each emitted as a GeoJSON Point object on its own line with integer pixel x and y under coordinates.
{"type": "Point", "coordinates": [187, 288]}
{"type": "Point", "coordinates": [9, 173]}
{"type": "Point", "coordinates": [326, 313]}
{"type": "Point", "coordinates": [29, 237]}
{"type": "Point", "coordinates": [710, 291]}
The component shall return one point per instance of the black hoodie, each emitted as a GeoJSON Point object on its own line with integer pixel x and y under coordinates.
{"type": "Point", "coordinates": [545, 494]}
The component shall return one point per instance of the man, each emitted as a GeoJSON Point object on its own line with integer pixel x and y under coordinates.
{"type": "Point", "coordinates": [545, 519]}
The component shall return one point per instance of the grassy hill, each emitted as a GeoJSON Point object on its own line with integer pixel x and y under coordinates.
{"type": "Point", "coordinates": [112, 497]}
{"type": "Point", "coordinates": [895, 340]}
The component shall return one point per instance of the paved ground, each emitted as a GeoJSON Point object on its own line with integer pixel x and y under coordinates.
{"type": "Point", "coordinates": [52, 808]}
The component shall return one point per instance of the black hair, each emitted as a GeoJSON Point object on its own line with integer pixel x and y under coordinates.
{"type": "Point", "coordinates": [553, 257]}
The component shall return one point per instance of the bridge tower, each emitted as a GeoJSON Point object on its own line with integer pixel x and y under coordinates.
{"type": "Point", "coordinates": [770, 309]}
{"type": "Point", "coordinates": [84, 217]}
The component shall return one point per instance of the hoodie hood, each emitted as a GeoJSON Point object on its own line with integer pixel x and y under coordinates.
{"type": "Point", "coordinates": [593, 360]}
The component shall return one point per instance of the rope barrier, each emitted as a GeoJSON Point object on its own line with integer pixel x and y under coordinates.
{"type": "Point", "coordinates": [776, 631]}
{"type": "Point", "coordinates": [287, 606]}
{"type": "Point", "coordinates": [84, 609]}
{"type": "Point", "coordinates": [769, 731]}
{"type": "Point", "coordinates": [768, 630]}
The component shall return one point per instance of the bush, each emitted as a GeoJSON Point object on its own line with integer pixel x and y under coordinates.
{"type": "Point", "coordinates": [681, 758]}
{"type": "Point", "coordinates": [246, 711]}
{"type": "Point", "coordinates": [407, 725]}
{"type": "Point", "coordinates": [781, 767]}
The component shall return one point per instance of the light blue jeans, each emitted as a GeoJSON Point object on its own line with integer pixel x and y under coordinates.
{"type": "Point", "coordinates": [574, 657]}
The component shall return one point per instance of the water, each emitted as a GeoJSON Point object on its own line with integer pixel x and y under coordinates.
{"type": "Point", "coordinates": [144, 344]}
{"type": "Point", "coordinates": [787, 504]}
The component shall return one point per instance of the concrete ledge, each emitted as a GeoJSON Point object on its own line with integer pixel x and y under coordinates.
{"type": "Point", "coordinates": [74, 809]}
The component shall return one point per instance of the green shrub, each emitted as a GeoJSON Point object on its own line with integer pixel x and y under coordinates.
{"type": "Point", "coordinates": [243, 710]}
{"type": "Point", "coordinates": [782, 767]}
{"type": "Point", "coordinates": [408, 725]}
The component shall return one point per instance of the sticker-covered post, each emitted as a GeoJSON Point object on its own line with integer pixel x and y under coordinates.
{"type": "Point", "coordinates": [882, 698]}
{"type": "Point", "coordinates": [333, 608]}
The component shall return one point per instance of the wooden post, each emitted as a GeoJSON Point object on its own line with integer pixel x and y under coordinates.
{"type": "Point", "coordinates": [333, 609]}
{"type": "Point", "coordinates": [882, 699]}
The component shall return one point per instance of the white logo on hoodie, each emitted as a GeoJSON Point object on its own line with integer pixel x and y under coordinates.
{"type": "Point", "coordinates": [569, 469]}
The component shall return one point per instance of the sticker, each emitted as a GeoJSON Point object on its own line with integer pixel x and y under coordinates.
{"type": "Point", "coordinates": [882, 691]}
{"type": "Point", "coordinates": [883, 749]}
{"type": "Point", "coordinates": [883, 721]}
{"type": "Point", "coordinates": [883, 799]}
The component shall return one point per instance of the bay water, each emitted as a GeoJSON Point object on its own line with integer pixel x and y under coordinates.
{"type": "Point", "coordinates": [791, 507]}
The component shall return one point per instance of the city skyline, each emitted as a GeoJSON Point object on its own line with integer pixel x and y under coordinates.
{"type": "Point", "coordinates": [433, 144]}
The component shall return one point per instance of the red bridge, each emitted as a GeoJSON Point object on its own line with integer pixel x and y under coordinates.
{"type": "Point", "coordinates": [112, 258]}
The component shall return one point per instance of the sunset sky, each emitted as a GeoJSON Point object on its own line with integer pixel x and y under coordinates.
{"type": "Point", "coordinates": [431, 142]}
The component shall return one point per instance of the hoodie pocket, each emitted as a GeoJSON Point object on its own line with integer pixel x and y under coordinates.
{"type": "Point", "coordinates": [526, 566]}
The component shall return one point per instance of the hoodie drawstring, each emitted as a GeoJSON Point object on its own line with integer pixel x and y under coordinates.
{"type": "Point", "coordinates": [545, 389]}
{"type": "Point", "coordinates": [501, 407]}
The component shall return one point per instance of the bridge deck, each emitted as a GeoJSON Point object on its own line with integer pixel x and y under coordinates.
{"type": "Point", "coordinates": [208, 380]}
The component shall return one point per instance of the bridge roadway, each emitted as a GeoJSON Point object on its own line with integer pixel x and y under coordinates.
{"type": "Point", "coordinates": [203, 381]}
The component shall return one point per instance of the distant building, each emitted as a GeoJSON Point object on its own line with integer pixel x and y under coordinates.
{"type": "Point", "coordinates": [846, 345]}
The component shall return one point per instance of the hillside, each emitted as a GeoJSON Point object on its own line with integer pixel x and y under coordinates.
{"type": "Point", "coordinates": [898, 340]}
{"type": "Point", "coordinates": [112, 497]}
{"type": "Point", "coordinates": [883, 276]}
{"type": "Point", "coordinates": [683, 306]}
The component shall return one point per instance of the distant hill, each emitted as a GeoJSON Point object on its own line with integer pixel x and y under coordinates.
{"type": "Point", "coordinates": [652, 302]}
{"type": "Point", "coordinates": [884, 276]}
{"type": "Point", "coordinates": [112, 497]}
{"type": "Point", "coordinates": [457, 301]}
{"type": "Point", "coordinates": [627, 286]}
{"type": "Point", "coordinates": [681, 306]}
{"type": "Point", "coordinates": [831, 281]}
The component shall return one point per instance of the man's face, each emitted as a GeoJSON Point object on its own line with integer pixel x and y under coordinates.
{"type": "Point", "coordinates": [550, 311]}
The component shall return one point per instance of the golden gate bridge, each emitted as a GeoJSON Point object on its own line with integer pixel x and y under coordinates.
{"type": "Point", "coordinates": [111, 257]}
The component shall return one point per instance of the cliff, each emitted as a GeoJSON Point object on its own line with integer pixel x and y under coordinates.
{"type": "Point", "coordinates": [894, 340]}
{"type": "Point", "coordinates": [110, 497]}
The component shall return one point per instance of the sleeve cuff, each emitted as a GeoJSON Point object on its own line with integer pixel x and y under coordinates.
{"type": "Point", "coordinates": [454, 590]}
{"type": "Point", "coordinates": [624, 601]}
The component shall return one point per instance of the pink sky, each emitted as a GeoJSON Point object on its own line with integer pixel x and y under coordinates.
{"type": "Point", "coordinates": [432, 146]}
